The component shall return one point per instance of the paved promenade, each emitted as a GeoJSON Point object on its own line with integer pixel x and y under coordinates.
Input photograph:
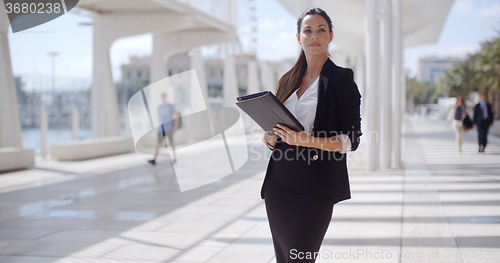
{"type": "Point", "coordinates": [442, 207]}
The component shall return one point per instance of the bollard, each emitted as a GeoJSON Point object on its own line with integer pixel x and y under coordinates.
{"type": "Point", "coordinates": [43, 131]}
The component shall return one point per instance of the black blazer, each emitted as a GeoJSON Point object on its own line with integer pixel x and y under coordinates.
{"type": "Point", "coordinates": [337, 112]}
{"type": "Point", "coordinates": [478, 114]}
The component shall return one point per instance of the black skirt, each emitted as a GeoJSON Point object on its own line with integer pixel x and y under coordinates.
{"type": "Point", "coordinates": [298, 216]}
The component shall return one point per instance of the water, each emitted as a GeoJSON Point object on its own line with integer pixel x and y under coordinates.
{"type": "Point", "coordinates": [32, 137]}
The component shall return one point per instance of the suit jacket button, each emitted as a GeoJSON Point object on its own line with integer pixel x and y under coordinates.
{"type": "Point", "coordinates": [315, 157]}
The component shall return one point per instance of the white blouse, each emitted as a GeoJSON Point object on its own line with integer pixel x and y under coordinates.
{"type": "Point", "coordinates": [304, 109]}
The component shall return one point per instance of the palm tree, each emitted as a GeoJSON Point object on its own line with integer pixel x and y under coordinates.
{"type": "Point", "coordinates": [459, 80]}
{"type": "Point", "coordinates": [481, 72]}
{"type": "Point", "coordinates": [488, 66]}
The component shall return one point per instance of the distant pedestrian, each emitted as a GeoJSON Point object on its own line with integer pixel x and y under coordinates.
{"type": "Point", "coordinates": [457, 115]}
{"type": "Point", "coordinates": [483, 120]}
{"type": "Point", "coordinates": [166, 113]}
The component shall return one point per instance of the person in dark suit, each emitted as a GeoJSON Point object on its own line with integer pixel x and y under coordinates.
{"type": "Point", "coordinates": [483, 120]}
{"type": "Point", "coordinates": [307, 172]}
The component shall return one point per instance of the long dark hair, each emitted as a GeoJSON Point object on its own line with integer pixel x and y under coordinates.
{"type": "Point", "coordinates": [291, 80]}
{"type": "Point", "coordinates": [461, 98]}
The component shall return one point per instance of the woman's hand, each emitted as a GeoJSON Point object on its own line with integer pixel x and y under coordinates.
{"type": "Point", "coordinates": [292, 137]}
{"type": "Point", "coordinates": [270, 139]}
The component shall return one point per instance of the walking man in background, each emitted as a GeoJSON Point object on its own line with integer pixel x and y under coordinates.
{"type": "Point", "coordinates": [166, 113]}
{"type": "Point", "coordinates": [483, 120]}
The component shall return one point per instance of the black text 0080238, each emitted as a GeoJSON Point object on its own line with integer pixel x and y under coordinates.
{"type": "Point", "coordinates": [40, 8]}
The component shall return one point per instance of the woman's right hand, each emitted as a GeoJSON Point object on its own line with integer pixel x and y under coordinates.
{"type": "Point", "coordinates": [271, 139]}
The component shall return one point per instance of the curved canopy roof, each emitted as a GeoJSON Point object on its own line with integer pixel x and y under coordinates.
{"type": "Point", "coordinates": [153, 7]}
{"type": "Point", "coordinates": [423, 20]}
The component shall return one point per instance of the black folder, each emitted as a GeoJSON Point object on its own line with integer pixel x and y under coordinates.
{"type": "Point", "coordinates": [267, 111]}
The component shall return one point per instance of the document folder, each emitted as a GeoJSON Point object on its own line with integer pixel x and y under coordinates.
{"type": "Point", "coordinates": [267, 111]}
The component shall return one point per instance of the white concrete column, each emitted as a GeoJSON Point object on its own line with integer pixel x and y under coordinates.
{"type": "Point", "coordinates": [252, 78]}
{"type": "Point", "coordinates": [10, 125]}
{"type": "Point", "coordinates": [386, 86]}
{"type": "Point", "coordinates": [252, 87]}
{"type": "Point", "coordinates": [75, 123]}
{"type": "Point", "coordinates": [283, 69]}
{"type": "Point", "coordinates": [403, 88]}
{"type": "Point", "coordinates": [359, 78]}
{"type": "Point", "coordinates": [161, 49]}
{"type": "Point", "coordinates": [266, 77]}
{"type": "Point", "coordinates": [230, 84]}
{"type": "Point", "coordinates": [232, 12]}
{"type": "Point", "coordinates": [340, 58]}
{"type": "Point", "coordinates": [107, 29]}
{"type": "Point", "coordinates": [397, 83]}
{"type": "Point", "coordinates": [105, 116]}
{"type": "Point", "coordinates": [372, 83]}
{"type": "Point", "coordinates": [168, 44]}
{"type": "Point", "coordinates": [198, 64]}
{"type": "Point", "coordinates": [126, 125]}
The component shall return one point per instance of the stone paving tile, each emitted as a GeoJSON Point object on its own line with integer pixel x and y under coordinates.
{"type": "Point", "coordinates": [441, 207]}
{"type": "Point", "coordinates": [444, 192]}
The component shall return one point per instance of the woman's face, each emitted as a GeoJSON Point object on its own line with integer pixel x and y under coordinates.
{"type": "Point", "coordinates": [460, 100]}
{"type": "Point", "coordinates": [314, 35]}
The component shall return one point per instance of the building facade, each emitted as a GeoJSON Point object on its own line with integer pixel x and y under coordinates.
{"type": "Point", "coordinates": [430, 68]}
{"type": "Point", "coordinates": [139, 67]}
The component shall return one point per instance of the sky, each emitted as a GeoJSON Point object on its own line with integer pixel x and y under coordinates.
{"type": "Point", "coordinates": [468, 23]}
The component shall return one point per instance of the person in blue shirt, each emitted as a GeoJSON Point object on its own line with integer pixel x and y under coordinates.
{"type": "Point", "coordinates": [169, 120]}
{"type": "Point", "coordinates": [483, 120]}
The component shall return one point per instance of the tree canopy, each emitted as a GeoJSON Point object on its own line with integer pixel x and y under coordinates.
{"type": "Point", "coordinates": [480, 72]}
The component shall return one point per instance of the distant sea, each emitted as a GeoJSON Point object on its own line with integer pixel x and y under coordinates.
{"type": "Point", "coordinates": [32, 137]}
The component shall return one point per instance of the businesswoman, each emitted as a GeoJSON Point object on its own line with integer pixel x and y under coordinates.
{"type": "Point", "coordinates": [457, 115]}
{"type": "Point", "coordinates": [307, 171]}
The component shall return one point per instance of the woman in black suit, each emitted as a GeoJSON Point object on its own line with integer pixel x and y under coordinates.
{"type": "Point", "coordinates": [307, 171]}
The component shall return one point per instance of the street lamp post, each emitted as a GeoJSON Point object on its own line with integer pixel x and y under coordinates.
{"type": "Point", "coordinates": [53, 54]}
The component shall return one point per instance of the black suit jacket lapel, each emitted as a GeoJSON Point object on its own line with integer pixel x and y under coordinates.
{"type": "Point", "coordinates": [322, 106]}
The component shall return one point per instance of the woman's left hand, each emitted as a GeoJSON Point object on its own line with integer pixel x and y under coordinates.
{"type": "Point", "coordinates": [292, 137]}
